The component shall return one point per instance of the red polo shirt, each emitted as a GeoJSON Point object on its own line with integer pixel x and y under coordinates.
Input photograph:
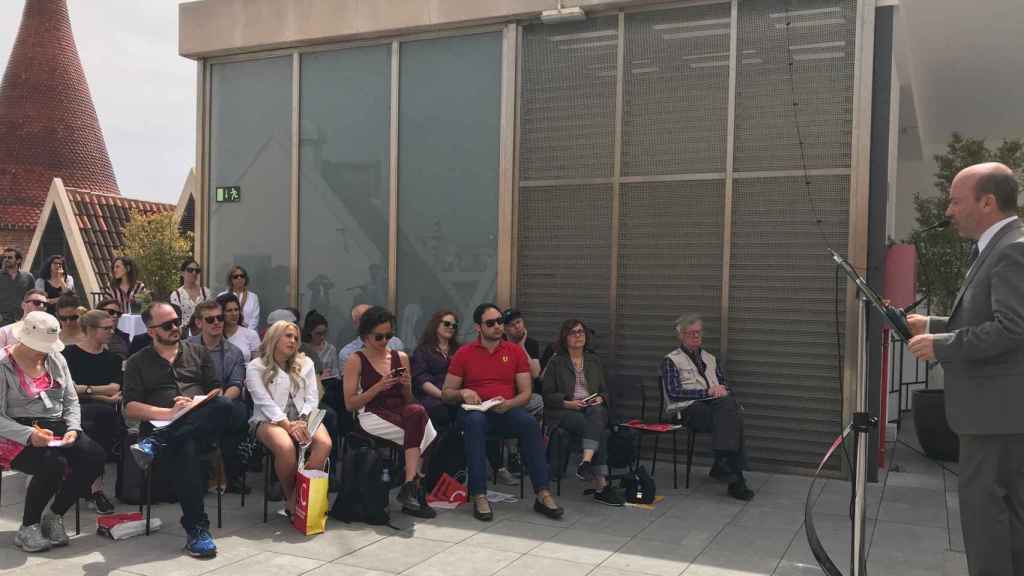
{"type": "Point", "coordinates": [490, 374]}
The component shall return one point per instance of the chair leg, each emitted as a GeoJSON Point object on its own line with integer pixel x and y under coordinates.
{"type": "Point", "coordinates": [654, 456]}
{"type": "Point", "coordinates": [149, 502]}
{"type": "Point", "coordinates": [522, 474]}
{"type": "Point", "coordinates": [675, 458]}
{"type": "Point", "coordinates": [78, 517]}
{"type": "Point", "coordinates": [220, 494]}
{"type": "Point", "coordinates": [689, 456]}
{"type": "Point", "coordinates": [244, 474]}
{"type": "Point", "coordinates": [266, 484]}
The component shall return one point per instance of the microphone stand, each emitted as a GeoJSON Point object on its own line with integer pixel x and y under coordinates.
{"type": "Point", "coordinates": [862, 425]}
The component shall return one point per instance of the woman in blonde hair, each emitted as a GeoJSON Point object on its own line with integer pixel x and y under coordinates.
{"type": "Point", "coordinates": [282, 382]}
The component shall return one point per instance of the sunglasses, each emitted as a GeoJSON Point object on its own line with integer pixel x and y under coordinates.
{"type": "Point", "coordinates": [378, 336]}
{"type": "Point", "coordinates": [169, 325]}
{"type": "Point", "coordinates": [73, 318]}
{"type": "Point", "coordinates": [112, 312]}
{"type": "Point", "coordinates": [193, 269]}
{"type": "Point", "coordinates": [36, 303]}
{"type": "Point", "coordinates": [452, 325]}
{"type": "Point", "coordinates": [492, 322]}
{"type": "Point", "coordinates": [237, 276]}
{"type": "Point", "coordinates": [214, 318]}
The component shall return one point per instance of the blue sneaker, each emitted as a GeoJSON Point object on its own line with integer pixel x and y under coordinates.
{"type": "Point", "coordinates": [144, 452]}
{"type": "Point", "coordinates": [200, 543]}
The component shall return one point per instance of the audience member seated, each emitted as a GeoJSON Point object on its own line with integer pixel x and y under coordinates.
{"type": "Point", "coordinates": [378, 388]}
{"type": "Point", "coordinates": [160, 381]}
{"type": "Point", "coordinates": [430, 365]}
{"type": "Point", "coordinates": [492, 368]}
{"type": "Point", "coordinates": [357, 313]}
{"type": "Point", "coordinates": [229, 373]}
{"type": "Point", "coordinates": [13, 285]}
{"type": "Point", "coordinates": [69, 310]}
{"type": "Point", "coordinates": [325, 362]}
{"type": "Point", "coordinates": [516, 333]}
{"type": "Point", "coordinates": [573, 376]}
{"type": "Point", "coordinates": [97, 375]}
{"type": "Point", "coordinates": [190, 293]}
{"type": "Point", "coordinates": [282, 383]}
{"type": "Point", "coordinates": [247, 340]}
{"type": "Point", "coordinates": [38, 404]}
{"type": "Point", "coordinates": [32, 301]}
{"type": "Point", "coordinates": [120, 343]}
{"type": "Point", "coordinates": [54, 280]}
{"type": "Point", "coordinates": [248, 301]}
{"type": "Point", "coordinates": [694, 384]}
{"type": "Point", "coordinates": [125, 286]}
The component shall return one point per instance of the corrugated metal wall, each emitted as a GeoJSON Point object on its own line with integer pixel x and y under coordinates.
{"type": "Point", "coordinates": [669, 186]}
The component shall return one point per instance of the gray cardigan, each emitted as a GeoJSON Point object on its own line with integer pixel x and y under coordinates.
{"type": "Point", "coordinates": [14, 403]}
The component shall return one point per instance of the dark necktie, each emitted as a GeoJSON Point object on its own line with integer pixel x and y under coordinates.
{"type": "Point", "coordinates": [973, 256]}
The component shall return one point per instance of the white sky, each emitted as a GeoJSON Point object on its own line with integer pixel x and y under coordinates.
{"type": "Point", "coordinates": [143, 91]}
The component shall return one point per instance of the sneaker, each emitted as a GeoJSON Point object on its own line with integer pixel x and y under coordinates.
{"type": "Point", "coordinates": [144, 452]}
{"type": "Point", "coordinates": [740, 491]}
{"type": "Point", "coordinates": [31, 539]}
{"type": "Point", "coordinates": [609, 496]}
{"type": "Point", "coordinates": [585, 471]}
{"type": "Point", "coordinates": [52, 527]}
{"type": "Point", "coordinates": [200, 543]}
{"type": "Point", "coordinates": [505, 477]}
{"type": "Point", "coordinates": [99, 502]}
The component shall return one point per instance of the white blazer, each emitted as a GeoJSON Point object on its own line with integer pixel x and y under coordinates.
{"type": "Point", "coordinates": [269, 406]}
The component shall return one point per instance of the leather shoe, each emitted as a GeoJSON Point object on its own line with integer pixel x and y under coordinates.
{"type": "Point", "coordinates": [555, 513]}
{"type": "Point", "coordinates": [482, 508]}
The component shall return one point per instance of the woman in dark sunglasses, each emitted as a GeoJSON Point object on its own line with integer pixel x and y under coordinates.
{"type": "Point", "coordinates": [191, 292]}
{"type": "Point", "coordinates": [68, 313]}
{"type": "Point", "coordinates": [439, 342]}
{"type": "Point", "coordinates": [378, 389]}
{"type": "Point", "coordinates": [248, 301]}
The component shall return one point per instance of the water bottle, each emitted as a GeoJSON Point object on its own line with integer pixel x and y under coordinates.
{"type": "Point", "coordinates": [385, 476]}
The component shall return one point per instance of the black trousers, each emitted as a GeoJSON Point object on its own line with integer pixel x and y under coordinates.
{"type": "Point", "coordinates": [102, 422]}
{"type": "Point", "coordinates": [235, 432]}
{"type": "Point", "coordinates": [63, 474]}
{"type": "Point", "coordinates": [181, 446]}
{"type": "Point", "coordinates": [723, 418]}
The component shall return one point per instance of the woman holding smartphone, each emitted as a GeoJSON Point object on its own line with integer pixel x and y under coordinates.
{"type": "Point", "coordinates": [378, 388]}
{"type": "Point", "coordinates": [574, 400]}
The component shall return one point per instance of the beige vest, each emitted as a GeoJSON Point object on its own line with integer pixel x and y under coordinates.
{"type": "Point", "coordinates": [689, 376]}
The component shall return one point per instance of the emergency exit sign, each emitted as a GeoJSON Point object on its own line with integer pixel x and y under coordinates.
{"type": "Point", "coordinates": [229, 193]}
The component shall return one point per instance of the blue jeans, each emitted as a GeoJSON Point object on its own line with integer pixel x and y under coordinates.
{"type": "Point", "coordinates": [516, 423]}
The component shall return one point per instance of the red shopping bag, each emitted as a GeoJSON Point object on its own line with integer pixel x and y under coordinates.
{"type": "Point", "coordinates": [310, 515]}
{"type": "Point", "coordinates": [448, 490]}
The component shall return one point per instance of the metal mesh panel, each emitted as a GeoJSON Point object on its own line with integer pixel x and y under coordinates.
{"type": "Point", "coordinates": [782, 332]}
{"type": "Point", "coordinates": [567, 108]}
{"type": "Point", "coordinates": [564, 255]}
{"type": "Point", "coordinates": [821, 37]}
{"type": "Point", "coordinates": [670, 263]}
{"type": "Point", "coordinates": [676, 84]}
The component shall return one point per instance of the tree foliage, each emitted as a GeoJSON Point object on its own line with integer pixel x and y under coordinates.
{"type": "Point", "coordinates": [158, 247]}
{"type": "Point", "coordinates": [942, 255]}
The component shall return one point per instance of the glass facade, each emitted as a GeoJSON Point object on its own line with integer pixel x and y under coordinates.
{"type": "Point", "coordinates": [343, 183]}
{"type": "Point", "coordinates": [250, 147]}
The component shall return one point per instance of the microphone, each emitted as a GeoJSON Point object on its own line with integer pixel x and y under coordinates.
{"type": "Point", "coordinates": [913, 306]}
{"type": "Point", "coordinates": [937, 226]}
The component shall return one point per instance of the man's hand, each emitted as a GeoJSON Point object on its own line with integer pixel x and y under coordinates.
{"type": "Point", "coordinates": [918, 324]}
{"type": "Point", "coordinates": [181, 402]}
{"type": "Point", "coordinates": [718, 391]}
{"type": "Point", "coordinates": [70, 437]}
{"type": "Point", "coordinates": [40, 437]}
{"type": "Point", "coordinates": [502, 407]}
{"type": "Point", "coordinates": [470, 397]}
{"type": "Point", "coordinates": [923, 347]}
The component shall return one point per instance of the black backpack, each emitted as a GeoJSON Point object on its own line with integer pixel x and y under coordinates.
{"type": "Point", "coordinates": [448, 457]}
{"type": "Point", "coordinates": [363, 497]}
{"type": "Point", "coordinates": [638, 487]}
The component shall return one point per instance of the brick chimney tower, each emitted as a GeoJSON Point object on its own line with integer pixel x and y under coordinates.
{"type": "Point", "coordinates": [48, 124]}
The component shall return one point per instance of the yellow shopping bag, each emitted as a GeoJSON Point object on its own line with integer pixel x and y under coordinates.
{"type": "Point", "coordinates": [310, 502]}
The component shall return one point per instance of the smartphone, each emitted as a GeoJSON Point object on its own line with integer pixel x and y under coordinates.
{"type": "Point", "coordinates": [398, 371]}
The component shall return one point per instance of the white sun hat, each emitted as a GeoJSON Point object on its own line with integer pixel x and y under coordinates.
{"type": "Point", "coordinates": [39, 331]}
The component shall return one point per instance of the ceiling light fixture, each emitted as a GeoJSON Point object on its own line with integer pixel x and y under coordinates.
{"type": "Point", "coordinates": [560, 15]}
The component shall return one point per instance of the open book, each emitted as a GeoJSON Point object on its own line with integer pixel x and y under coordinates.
{"type": "Point", "coordinates": [197, 401]}
{"type": "Point", "coordinates": [483, 406]}
{"type": "Point", "coordinates": [316, 417]}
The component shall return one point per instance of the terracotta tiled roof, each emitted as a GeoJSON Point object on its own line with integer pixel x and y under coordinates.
{"type": "Point", "coordinates": [101, 219]}
{"type": "Point", "coordinates": [48, 125]}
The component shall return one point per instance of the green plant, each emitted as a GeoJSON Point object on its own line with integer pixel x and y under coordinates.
{"type": "Point", "coordinates": [942, 254]}
{"type": "Point", "coordinates": [157, 246]}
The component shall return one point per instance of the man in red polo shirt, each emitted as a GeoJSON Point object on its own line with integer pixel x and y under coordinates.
{"type": "Point", "coordinates": [487, 369]}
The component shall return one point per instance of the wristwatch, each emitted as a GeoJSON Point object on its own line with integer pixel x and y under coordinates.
{"type": "Point", "coordinates": [88, 389]}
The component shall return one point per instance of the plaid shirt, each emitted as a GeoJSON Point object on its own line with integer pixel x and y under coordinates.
{"type": "Point", "coordinates": [670, 378]}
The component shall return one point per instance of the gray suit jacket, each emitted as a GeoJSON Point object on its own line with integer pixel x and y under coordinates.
{"type": "Point", "coordinates": [981, 343]}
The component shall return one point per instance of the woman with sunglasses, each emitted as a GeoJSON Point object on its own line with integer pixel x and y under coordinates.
{"type": "Point", "coordinates": [125, 285]}
{"type": "Point", "coordinates": [120, 342]}
{"type": "Point", "coordinates": [575, 400]}
{"type": "Point", "coordinates": [68, 313]}
{"type": "Point", "coordinates": [33, 301]}
{"type": "Point", "coordinates": [430, 360]}
{"type": "Point", "coordinates": [97, 374]}
{"type": "Point", "coordinates": [54, 280]}
{"type": "Point", "coordinates": [247, 340]}
{"type": "Point", "coordinates": [191, 292]}
{"type": "Point", "coordinates": [248, 301]}
{"type": "Point", "coordinates": [378, 388]}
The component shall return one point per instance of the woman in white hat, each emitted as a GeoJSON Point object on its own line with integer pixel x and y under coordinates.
{"type": "Point", "coordinates": [41, 431]}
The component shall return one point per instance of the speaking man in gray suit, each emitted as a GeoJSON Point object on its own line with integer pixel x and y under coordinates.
{"type": "Point", "coordinates": [981, 348]}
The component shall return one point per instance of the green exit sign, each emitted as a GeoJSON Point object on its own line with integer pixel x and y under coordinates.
{"type": "Point", "coordinates": [229, 194]}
